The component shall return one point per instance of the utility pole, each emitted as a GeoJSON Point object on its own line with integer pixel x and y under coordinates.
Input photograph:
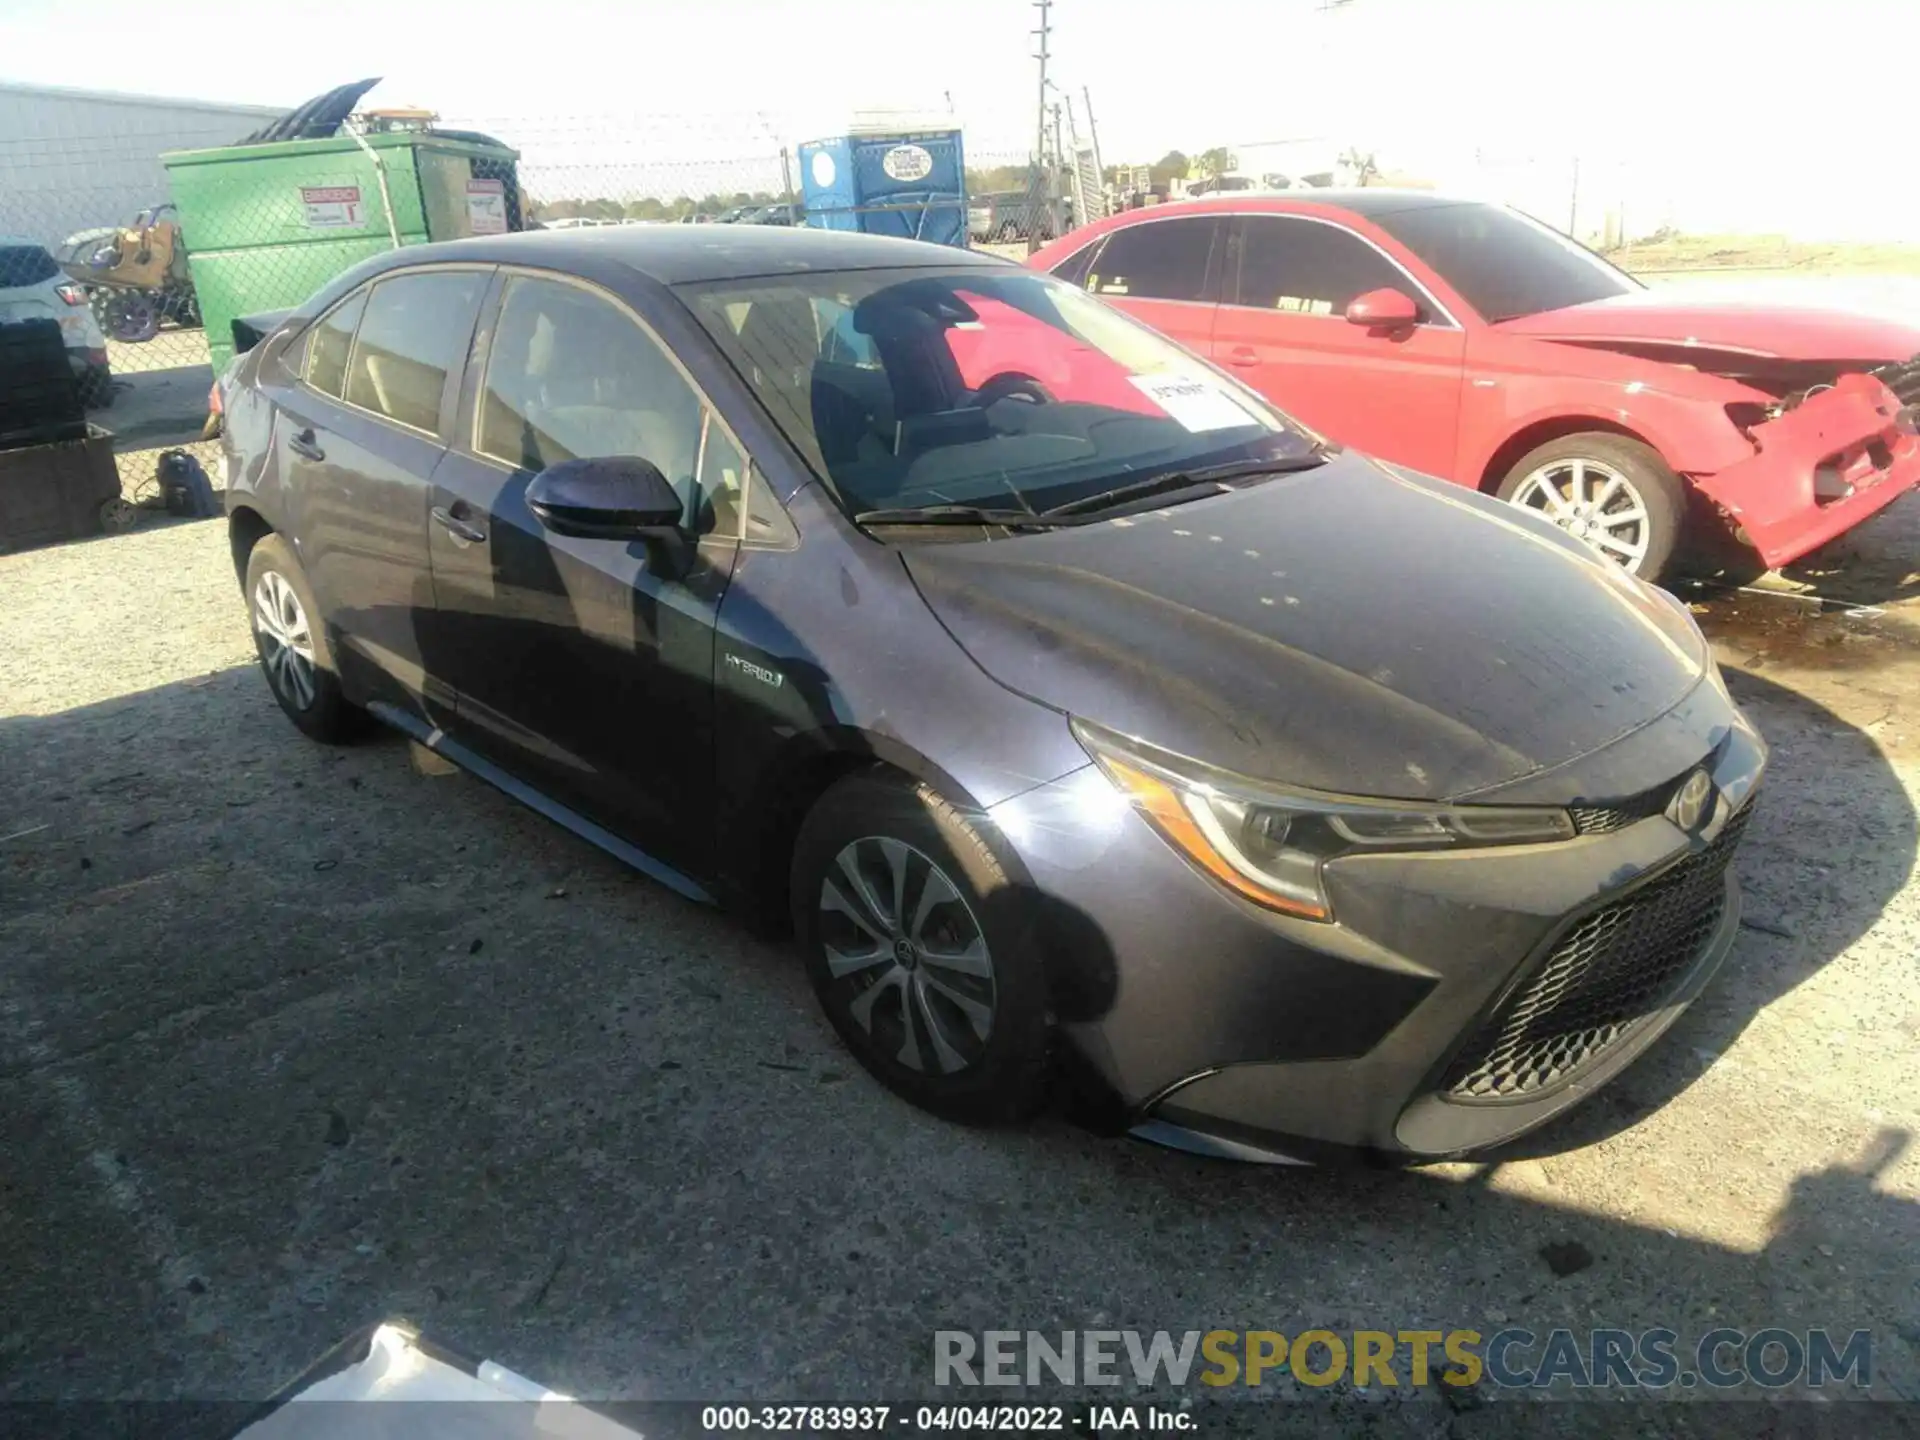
{"type": "Point", "coordinates": [1055, 201]}
{"type": "Point", "coordinates": [1045, 32]}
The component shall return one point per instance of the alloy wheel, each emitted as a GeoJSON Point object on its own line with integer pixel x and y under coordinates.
{"type": "Point", "coordinates": [1594, 502]}
{"type": "Point", "coordinates": [907, 955]}
{"type": "Point", "coordinates": [286, 640]}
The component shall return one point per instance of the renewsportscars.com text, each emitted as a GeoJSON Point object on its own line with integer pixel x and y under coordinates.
{"type": "Point", "coordinates": [1512, 1358]}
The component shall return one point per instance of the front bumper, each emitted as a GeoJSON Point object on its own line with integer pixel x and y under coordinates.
{"type": "Point", "coordinates": [1821, 468]}
{"type": "Point", "coordinates": [1430, 1020]}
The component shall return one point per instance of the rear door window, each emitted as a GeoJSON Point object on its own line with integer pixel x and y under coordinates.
{"type": "Point", "coordinates": [414, 334]}
{"type": "Point", "coordinates": [1157, 260]}
{"type": "Point", "coordinates": [1303, 267]}
{"type": "Point", "coordinates": [332, 344]}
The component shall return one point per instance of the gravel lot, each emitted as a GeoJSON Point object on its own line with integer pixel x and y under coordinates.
{"type": "Point", "coordinates": [292, 1039]}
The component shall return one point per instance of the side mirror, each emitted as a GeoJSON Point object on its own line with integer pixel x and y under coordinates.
{"type": "Point", "coordinates": [620, 497]}
{"type": "Point", "coordinates": [1383, 309]}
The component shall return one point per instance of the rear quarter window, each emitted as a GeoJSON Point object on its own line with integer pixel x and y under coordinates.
{"type": "Point", "coordinates": [26, 265]}
{"type": "Point", "coordinates": [1075, 267]}
{"type": "Point", "coordinates": [331, 344]}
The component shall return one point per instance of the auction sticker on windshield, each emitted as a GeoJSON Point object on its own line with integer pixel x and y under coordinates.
{"type": "Point", "coordinates": [1195, 402]}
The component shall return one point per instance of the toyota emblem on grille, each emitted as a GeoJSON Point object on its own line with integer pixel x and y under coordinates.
{"type": "Point", "coordinates": [1693, 804]}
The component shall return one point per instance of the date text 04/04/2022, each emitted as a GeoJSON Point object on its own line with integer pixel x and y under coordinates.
{"type": "Point", "coordinates": [935, 1419]}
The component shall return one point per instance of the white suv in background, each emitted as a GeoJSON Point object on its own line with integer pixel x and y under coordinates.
{"type": "Point", "coordinates": [34, 287]}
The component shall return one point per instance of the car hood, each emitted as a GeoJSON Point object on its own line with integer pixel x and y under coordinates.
{"type": "Point", "coordinates": [1672, 321]}
{"type": "Point", "coordinates": [1347, 629]}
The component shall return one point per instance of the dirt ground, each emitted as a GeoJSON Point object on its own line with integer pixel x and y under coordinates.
{"type": "Point", "coordinates": [1766, 252]}
{"type": "Point", "coordinates": [296, 1038]}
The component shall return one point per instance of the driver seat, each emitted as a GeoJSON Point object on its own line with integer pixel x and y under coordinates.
{"type": "Point", "coordinates": [920, 367]}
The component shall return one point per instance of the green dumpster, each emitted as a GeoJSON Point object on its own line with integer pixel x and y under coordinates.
{"type": "Point", "coordinates": [267, 225]}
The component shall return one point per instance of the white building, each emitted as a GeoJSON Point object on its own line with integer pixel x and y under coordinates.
{"type": "Point", "coordinates": [74, 159]}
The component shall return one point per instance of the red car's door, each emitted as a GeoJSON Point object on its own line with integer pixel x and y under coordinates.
{"type": "Point", "coordinates": [1163, 272]}
{"type": "Point", "coordinates": [1282, 328]}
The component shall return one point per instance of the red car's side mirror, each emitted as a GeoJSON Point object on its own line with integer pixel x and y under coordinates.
{"type": "Point", "coordinates": [1383, 309]}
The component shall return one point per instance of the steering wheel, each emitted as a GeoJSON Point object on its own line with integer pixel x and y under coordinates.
{"type": "Point", "coordinates": [1011, 385]}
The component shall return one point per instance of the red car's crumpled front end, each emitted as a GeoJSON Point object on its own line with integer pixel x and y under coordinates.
{"type": "Point", "coordinates": [1821, 467]}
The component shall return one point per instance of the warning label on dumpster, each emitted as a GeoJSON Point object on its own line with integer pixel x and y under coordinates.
{"type": "Point", "coordinates": [333, 207]}
{"type": "Point", "coordinates": [487, 207]}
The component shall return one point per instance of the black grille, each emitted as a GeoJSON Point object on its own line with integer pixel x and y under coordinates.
{"type": "Point", "coordinates": [1611, 970]}
{"type": "Point", "coordinates": [1604, 819]}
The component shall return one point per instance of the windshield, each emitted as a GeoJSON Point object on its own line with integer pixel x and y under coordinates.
{"type": "Point", "coordinates": [979, 386]}
{"type": "Point", "coordinates": [1502, 263]}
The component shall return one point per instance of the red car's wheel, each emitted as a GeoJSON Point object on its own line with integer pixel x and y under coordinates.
{"type": "Point", "coordinates": [1614, 493]}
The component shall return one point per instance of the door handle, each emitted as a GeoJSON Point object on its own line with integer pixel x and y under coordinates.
{"type": "Point", "coordinates": [456, 527]}
{"type": "Point", "coordinates": [1243, 356]}
{"type": "Point", "coordinates": [302, 444]}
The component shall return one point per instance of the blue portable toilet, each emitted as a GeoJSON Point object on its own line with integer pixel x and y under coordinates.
{"type": "Point", "coordinates": [910, 184]}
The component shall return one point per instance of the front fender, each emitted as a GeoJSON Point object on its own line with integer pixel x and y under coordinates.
{"type": "Point", "coordinates": [1693, 436]}
{"type": "Point", "coordinates": [1512, 387]}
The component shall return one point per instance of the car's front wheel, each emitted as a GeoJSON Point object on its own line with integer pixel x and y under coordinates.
{"type": "Point", "coordinates": [292, 643]}
{"type": "Point", "coordinates": [921, 951]}
{"type": "Point", "coordinates": [1612, 492]}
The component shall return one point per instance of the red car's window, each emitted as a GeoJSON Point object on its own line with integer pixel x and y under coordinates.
{"type": "Point", "coordinates": [1304, 267]}
{"type": "Point", "coordinates": [1503, 264]}
{"type": "Point", "coordinates": [1156, 260]}
{"type": "Point", "coordinates": [1006, 341]}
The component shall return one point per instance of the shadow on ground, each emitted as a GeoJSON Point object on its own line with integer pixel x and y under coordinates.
{"type": "Point", "coordinates": [292, 1039]}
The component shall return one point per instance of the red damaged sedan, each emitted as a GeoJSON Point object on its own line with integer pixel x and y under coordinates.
{"type": "Point", "coordinates": [1465, 340]}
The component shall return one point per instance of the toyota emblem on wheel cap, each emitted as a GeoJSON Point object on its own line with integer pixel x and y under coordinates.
{"type": "Point", "coordinates": [1693, 804]}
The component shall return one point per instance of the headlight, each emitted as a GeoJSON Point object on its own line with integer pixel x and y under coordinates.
{"type": "Point", "coordinates": [1269, 844]}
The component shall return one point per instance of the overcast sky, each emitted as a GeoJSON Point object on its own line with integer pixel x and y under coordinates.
{"type": "Point", "coordinates": [1514, 74]}
{"type": "Point", "coordinates": [1709, 92]}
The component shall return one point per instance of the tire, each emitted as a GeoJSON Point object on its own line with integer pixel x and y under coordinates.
{"type": "Point", "coordinates": [914, 1021]}
{"type": "Point", "coordinates": [1590, 463]}
{"type": "Point", "coordinates": [305, 684]}
{"type": "Point", "coordinates": [131, 317]}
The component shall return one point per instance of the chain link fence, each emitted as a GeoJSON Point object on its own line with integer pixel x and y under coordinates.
{"type": "Point", "coordinates": [144, 254]}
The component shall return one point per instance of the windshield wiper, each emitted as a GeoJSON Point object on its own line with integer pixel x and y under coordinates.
{"type": "Point", "coordinates": [1215, 476]}
{"type": "Point", "coordinates": [967, 515]}
{"type": "Point", "coordinates": [1083, 511]}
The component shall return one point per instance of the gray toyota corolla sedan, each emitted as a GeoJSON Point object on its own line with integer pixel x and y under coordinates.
{"type": "Point", "coordinates": [1079, 711]}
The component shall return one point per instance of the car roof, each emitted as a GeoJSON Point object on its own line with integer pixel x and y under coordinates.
{"type": "Point", "coordinates": [676, 255]}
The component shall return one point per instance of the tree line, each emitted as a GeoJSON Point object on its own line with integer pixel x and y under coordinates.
{"type": "Point", "coordinates": [649, 207]}
{"type": "Point", "coordinates": [986, 180]}
{"type": "Point", "coordinates": [1174, 165]}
